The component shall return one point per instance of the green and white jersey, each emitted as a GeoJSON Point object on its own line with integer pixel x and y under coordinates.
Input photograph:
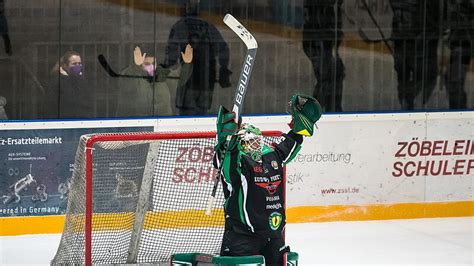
{"type": "Point", "coordinates": [254, 191]}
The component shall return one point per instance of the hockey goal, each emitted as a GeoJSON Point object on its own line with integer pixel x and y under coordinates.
{"type": "Point", "coordinates": [141, 197]}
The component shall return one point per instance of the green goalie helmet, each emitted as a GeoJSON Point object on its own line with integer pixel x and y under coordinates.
{"type": "Point", "coordinates": [305, 111]}
{"type": "Point", "coordinates": [251, 141]}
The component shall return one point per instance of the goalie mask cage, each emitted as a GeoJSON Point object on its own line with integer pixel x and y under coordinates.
{"type": "Point", "coordinates": [141, 197]}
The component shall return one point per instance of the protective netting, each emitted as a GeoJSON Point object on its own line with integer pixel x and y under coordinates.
{"type": "Point", "coordinates": [148, 200]}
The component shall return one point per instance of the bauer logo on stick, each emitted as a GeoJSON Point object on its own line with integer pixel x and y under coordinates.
{"type": "Point", "coordinates": [244, 77]}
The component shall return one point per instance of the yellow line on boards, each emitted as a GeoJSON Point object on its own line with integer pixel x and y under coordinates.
{"type": "Point", "coordinates": [331, 213]}
{"type": "Point", "coordinates": [11, 226]}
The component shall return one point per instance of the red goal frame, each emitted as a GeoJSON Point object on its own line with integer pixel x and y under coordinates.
{"type": "Point", "coordinates": [111, 137]}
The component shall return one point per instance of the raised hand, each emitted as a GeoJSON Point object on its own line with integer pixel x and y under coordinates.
{"type": "Point", "coordinates": [138, 57]}
{"type": "Point", "coordinates": [188, 54]}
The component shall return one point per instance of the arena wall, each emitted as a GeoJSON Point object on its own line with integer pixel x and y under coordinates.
{"type": "Point", "coordinates": [355, 167]}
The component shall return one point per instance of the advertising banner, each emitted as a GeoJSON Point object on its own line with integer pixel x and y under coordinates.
{"type": "Point", "coordinates": [363, 159]}
{"type": "Point", "coordinates": [36, 165]}
{"type": "Point", "coordinates": [383, 159]}
{"type": "Point", "coordinates": [358, 159]}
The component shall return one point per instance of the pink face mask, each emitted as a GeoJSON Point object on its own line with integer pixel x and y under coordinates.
{"type": "Point", "coordinates": [150, 69]}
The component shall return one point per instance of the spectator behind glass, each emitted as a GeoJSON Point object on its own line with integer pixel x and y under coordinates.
{"type": "Point", "coordinates": [416, 32]}
{"type": "Point", "coordinates": [195, 98]}
{"type": "Point", "coordinates": [73, 98]}
{"type": "Point", "coordinates": [460, 21]}
{"type": "Point", "coordinates": [322, 25]}
{"type": "Point", "coordinates": [4, 29]}
{"type": "Point", "coordinates": [142, 96]}
{"type": "Point", "coordinates": [415, 45]}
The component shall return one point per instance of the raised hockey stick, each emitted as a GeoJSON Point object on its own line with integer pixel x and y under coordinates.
{"type": "Point", "coordinates": [241, 89]}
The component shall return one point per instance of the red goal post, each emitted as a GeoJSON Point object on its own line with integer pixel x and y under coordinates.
{"type": "Point", "coordinates": [141, 197]}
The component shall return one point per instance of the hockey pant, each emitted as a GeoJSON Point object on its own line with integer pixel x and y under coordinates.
{"type": "Point", "coordinates": [235, 243]}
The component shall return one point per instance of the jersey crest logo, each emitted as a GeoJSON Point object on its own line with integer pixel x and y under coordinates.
{"type": "Point", "coordinates": [274, 220]}
{"type": "Point", "coordinates": [275, 165]}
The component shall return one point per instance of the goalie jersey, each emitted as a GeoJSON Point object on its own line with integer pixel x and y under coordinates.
{"type": "Point", "coordinates": [254, 191]}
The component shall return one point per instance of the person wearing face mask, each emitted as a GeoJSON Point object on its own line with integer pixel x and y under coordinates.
{"type": "Point", "coordinates": [70, 95]}
{"type": "Point", "coordinates": [148, 94]}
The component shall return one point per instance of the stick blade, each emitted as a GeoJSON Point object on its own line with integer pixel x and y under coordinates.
{"type": "Point", "coordinates": [241, 31]}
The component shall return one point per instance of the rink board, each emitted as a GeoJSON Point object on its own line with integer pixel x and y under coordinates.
{"type": "Point", "coordinates": [356, 167]}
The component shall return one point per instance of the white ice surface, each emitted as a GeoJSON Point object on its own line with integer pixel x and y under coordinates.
{"type": "Point", "coordinates": [440, 241]}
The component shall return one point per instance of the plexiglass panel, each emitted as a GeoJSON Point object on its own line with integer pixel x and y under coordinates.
{"type": "Point", "coordinates": [128, 58]}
